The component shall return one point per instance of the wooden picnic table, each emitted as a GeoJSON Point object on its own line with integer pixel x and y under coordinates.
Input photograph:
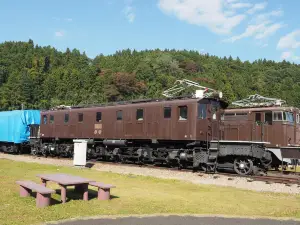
{"type": "Point", "coordinates": [63, 180]}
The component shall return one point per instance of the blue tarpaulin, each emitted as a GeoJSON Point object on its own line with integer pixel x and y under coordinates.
{"type": "Point", "coordinates": [14, 125]}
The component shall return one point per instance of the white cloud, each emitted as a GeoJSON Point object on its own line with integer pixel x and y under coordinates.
{"type": "Point", "coordinates": [129, 13]}
{"type": "Point", "coordinates": [65, 19]}
{"type": "Point", "coordinates": [240, 5]}
{"type": "Point", "coordinates": [231, 1]}
{"type": "Point", "coordinates": [286, 55]}
{"type": "Point", "coordinates": [266, 16]}
{"type": "Point", "coordinates": [216, 15]}
{"type": "Point", "coordinates": [250, 31]}
{"type": "Point", "coordinates": [290, 56]}
{"type": "Point", "coordinates": [260, 27]}
{"type": "Point", "coordinates": [269, 31]}
{"type": "Point", "coordinates": [290, 41]}
{"type": "Point", "coordinates": [59, 33]}
{"type": "Point", "coordinates": [257, 7]}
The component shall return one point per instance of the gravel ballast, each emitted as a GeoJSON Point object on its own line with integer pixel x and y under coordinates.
{"type": "Point", "coordinates": [210, 179]}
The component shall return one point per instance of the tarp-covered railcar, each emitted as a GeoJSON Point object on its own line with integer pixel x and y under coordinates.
{"type": "Point", "coordinates": [15, 125]}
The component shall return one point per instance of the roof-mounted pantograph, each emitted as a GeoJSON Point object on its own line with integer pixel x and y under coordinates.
{"type": "Point", "coordinates": [258, 101]}
{"type": "Point", "coordinates": [184, 84]}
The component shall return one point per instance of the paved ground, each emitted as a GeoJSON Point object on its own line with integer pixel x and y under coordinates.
{"type": "Point", "coordinates": [178, 220]}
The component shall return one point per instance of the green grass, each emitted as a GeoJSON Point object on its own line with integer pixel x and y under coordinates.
{"type": "Point", "coordinates": [135, 195]}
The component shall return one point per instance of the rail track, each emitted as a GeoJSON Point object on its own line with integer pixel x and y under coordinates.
{"type": "Point", "coordinates": [274, 177]}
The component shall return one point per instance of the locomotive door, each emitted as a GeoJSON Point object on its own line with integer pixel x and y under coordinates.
{"type": "Point", "coordinates": [262, 127]}
{"type": "Point", "coordinates": [119, 132]}
{"type": "Point", "coordinates": [297, 129]}
{"type": "Point", "coordinates": [51, 131]}
{"type": "Point", "coordinates": [181, 123]}
{"type": "Point", "coordinates": [214, 120]}
{"type": "Point", "coordinates": [80, 125]}
{"type": "Point", "coordinates": [202, 120]}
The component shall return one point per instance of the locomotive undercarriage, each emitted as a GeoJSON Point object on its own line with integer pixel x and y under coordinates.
{"type": "Point", "coordinates": [243, 158]}
{"type": "Point", "coordinates": [15, 148]}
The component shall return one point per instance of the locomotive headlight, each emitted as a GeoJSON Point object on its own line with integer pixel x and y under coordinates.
{"type": "Point", "coordinates": [220, 94]}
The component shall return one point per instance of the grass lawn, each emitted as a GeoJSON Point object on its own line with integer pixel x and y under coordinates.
{"type": "Point", "coordinates": [134, 195]}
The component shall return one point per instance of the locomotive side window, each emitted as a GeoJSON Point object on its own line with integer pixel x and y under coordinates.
{"type": "Point", "coordinates": [98, 116]}
{"type": "Point", "coordinates": [119, 115]}
{"type": "Point", "coordinates": [80, 117]}
{"type": "Point", "coordinates": [257, 117]}
{"type": "Point", "coordinates": [277, 116]}
{"type": "Point", "coordinates": [201, 111]}
{"type": "Point", "coordinates": [297, 118]}
{"type": "Point", "coordinates": [45, 119]}
{"type": "Point", "coordinates": [139, 114]}
{"type": "Point", "coordinates": [167, 112]}
{"type": "Point", "coordinates": [183, 113]}
{"type": "Point", "coordinates": [268, 118]}
{"type": "Point", "coordinates": [66, 118]}
{"type": "Point", "coordinates": [51, 119]}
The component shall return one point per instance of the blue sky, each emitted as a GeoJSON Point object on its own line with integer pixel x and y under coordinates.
{"type": "Point", "coordinates": [247, 29]}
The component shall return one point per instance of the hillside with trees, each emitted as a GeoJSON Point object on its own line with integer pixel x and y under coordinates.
{"type": "Point", "coordinates": [43, 77]}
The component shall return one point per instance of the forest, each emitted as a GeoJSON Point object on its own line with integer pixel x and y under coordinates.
{"type": "Point", "coordinates": [43, 77]}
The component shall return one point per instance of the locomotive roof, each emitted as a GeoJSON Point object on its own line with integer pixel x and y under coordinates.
{"type": "Point", "coordinates": [255, 109]}
{"type": "Point", "coordinates": [140, 101]}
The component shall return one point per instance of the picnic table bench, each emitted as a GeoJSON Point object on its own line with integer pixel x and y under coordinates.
{"type": "Point", "coordinates": [43, 194]}
{"type": "Point", "coordinates": [64, 180]}
{"type": "Point", "coordinates": [103, 190]}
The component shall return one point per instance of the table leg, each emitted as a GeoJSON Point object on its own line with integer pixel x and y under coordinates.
{"type": "Point", "coordinates": [44, 182]}
{"type": "Point", "coordinates": [85, 188]}
{"type": "Point", "coordinates": [24, 192]}
{"type": "Point", "coordinates": [63, 193]}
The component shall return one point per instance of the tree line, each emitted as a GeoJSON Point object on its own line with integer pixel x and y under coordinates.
{"type": "Point", "coordinates": [43, 77]}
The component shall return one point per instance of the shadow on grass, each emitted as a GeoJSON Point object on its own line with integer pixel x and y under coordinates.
{"type": "Point", "coordinates": [89, 165]}
{"type": "Point", "coordinates": [73, 195]}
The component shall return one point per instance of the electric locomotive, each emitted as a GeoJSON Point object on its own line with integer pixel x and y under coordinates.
{"type": "Point", "coordinates": [182, 132]}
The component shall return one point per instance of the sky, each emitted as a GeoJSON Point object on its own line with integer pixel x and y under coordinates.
{"type": "Point", "coordinates": [248, 29]}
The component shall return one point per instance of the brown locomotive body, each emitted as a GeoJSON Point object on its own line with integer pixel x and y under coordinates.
{"type": "Point", "coordinates": [163, 120]}
{"type": "Point", "coordinates": [278, 125]}
{"type": "Point", "coordinates": [184, 132]}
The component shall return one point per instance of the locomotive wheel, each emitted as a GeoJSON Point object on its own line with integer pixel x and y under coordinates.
{"type": "Point", "coordinates": [243, 166]}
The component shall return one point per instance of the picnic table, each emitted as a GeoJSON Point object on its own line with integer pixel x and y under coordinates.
{"type": "Point", "coordinates": [64, 180]}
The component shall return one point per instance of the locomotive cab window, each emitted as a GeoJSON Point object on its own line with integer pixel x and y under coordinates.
{"type": "Point", "coordinates": [297, 118]}
{"type": "Point", "coordinates": [51, 119]}
{"type": "Point", "coordinates": [277, 116]}
{"type": "Point", "coordinates": [98, 116]}
{"type": "Point", "coordinates": [201, 111]}
{"type": "Point", "coordinates": [289, 117]}
{"type": "Point", "coordinates": [80, 117]}
{"type": "Point", "coordinates": [45, 119]}
{"type": "Point", "coordinates": [66, 118]}
{"type": "Point", "coordinates": [268, 118]}
{"type": "Point", "coordinates": [119, 115]}
{"type": "Point", "coordinates": [139, 114]}
{"type": "Point", "coordinates": [167, 112]}
{"type": "Point", "coordinates": [183, 112]}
